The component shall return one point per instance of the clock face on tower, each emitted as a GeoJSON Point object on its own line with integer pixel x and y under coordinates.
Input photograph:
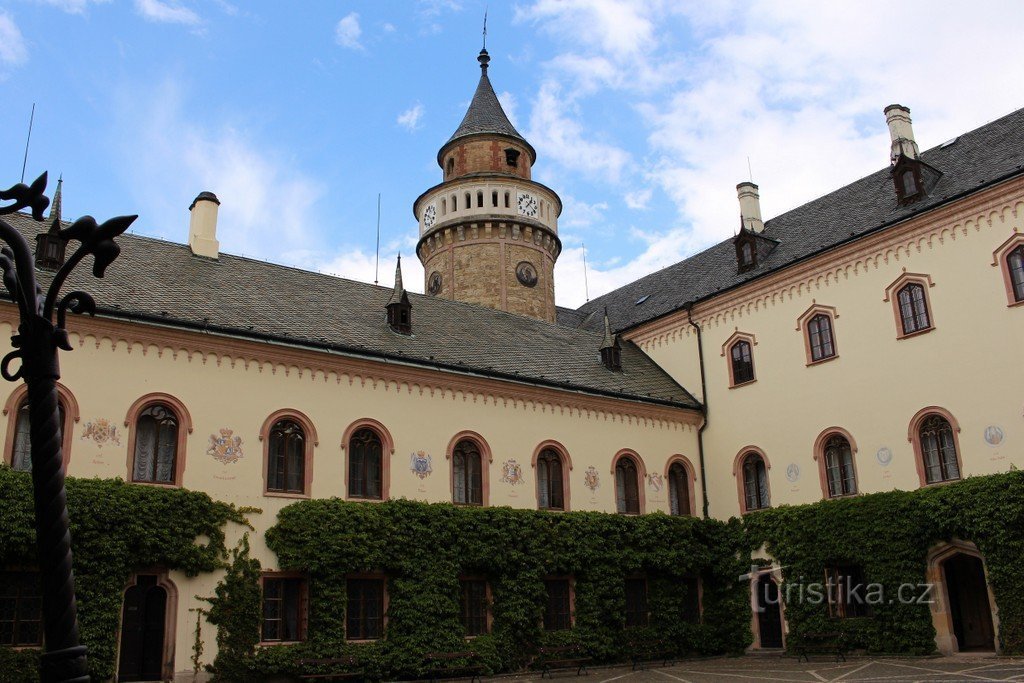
{"type": "Point", "coordinates": [527, 205]}
{"type": "Point", "coordinates": [430, 216]}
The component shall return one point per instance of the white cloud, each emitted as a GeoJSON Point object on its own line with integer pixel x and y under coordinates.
{"type": "Point", "coordinates": [12, 45]}
{"type": "Point", "coordinates": [638, 199]}
{"type": "Point", "coordinates": [347, 32]}
{"type": "Point", "coordinates": [166, 12]}
{"type": "Point", "coordinates": [410, 118]}
{"type": "Point", "coordinates": [73, 6]}
{"type": "Point", "coordinates": [510, 104]}
{"type": "Point", "coordinates": [388, 27]}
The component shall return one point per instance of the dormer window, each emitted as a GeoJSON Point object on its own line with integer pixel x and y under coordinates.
{"type": "Point", "coordinates": [512, 157]}
{"type": "Point", "coordinates": [746, 255]}
{"type": "Point", "coordinates": [909, 184]}
{"type": "Point", "coordinates": [913, 179]}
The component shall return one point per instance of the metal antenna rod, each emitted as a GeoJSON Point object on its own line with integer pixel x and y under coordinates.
{"type": "Point", "coordinates": [376, 265]}
{"type": "Point", "coordinates": [586, 287]}
{"type": "Point", "coordinates": [749, 170]}
{"type": "Point", "coordinates": [24, 162]}
{"type": "Point", "coordinates": [485, 28]}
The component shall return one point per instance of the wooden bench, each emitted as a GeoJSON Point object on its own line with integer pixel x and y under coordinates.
{"type": "Point", "coordinates": [563, 657]}
{"type": "Point", "coordinates": [825, 642]}
{"type": "Point", "coordinates": [453, 665]}
{"type": "Point", "coordinates": [646, 653]}
{"type": "Point", "coordinates": [331, 669]}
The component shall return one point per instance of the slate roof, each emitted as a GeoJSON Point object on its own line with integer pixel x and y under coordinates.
{"type": "Point", "coordinates": [159, 281]}
{"type": "Point", "coordinates": [485, 115]}
{"type": "Point", "coordinates": [968, 163]}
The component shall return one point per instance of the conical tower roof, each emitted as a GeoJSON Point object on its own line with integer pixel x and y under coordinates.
{"type": "Point", "coordinates": [485, 115]}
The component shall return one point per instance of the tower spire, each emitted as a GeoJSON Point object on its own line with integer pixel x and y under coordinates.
{"type": "Point", "coordinates": [399, 287]}
{"type": "Point", "coordinates": [611, 350]}
{"type": "Point", "coordinates": [399, 307]}
{"type": "Point", "coordinates": [55, 207]}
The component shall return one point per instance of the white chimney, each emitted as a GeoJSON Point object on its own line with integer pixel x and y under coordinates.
{"type": "Point", "coordinates": [902, 134]}
{"type": "Point", "coordinates": [750, 206]}
{"type": "Point", "coordinates": [202, 228]}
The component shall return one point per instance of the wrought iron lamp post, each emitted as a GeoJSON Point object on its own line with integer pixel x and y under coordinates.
{"type": "Point", "coordinates": [36, 345]}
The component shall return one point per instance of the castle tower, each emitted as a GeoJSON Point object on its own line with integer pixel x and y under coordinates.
{"type": "Point", "coordinates": [488, 233]}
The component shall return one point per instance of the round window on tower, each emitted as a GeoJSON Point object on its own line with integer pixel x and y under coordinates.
{"type": "Point", "coordinates": [434, 283]}
{"type": "Point", "coordinates": [526, 274]}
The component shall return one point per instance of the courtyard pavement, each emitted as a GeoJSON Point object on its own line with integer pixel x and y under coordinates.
{"type": "Point", "coordinates": [763, 668]}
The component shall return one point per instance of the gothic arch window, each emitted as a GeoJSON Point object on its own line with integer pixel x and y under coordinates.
{"type": "Point", "coordinates": [834, 450]}
{"type": "Point", "coordinates": [679, 479]}
{"type": "Point", "coordinates": [469, 201]}
{"type": "Point", "coordinates": [912, 309]}
{"type": "Point", "coordinates": [470, 457]}
{"type": "Point", "coordinates": [455, 203]}
{"type": "Point", "coordinates": [818, 327]}
{"type": "Point", "coordinates": [158, 426]}
{"type": "Point", "coordinates": [368, 449]}
{"type": "Point", "coordinates": [506, 200]}
{"type": "Point", "coordinates": [444, 207]}
{"type": "Point", "coordinates": [751, 471]}
{"type": "Point", "coordinates": [449, 167]}
{"type": "Point", "coordinates": [1009, 258]}
{"type": "Point", "coordinates": [18, 446]}
{"type": "Point", "coordinates": [550, 475]}
{"type": "Point", "coordinates": [288, 438]}
{"type": "Point", "coordinates": [934, 435]}
{"type": "Point", "coordinates": [494, 198]}
{"type": "Point", "coordinates": [629, 474]}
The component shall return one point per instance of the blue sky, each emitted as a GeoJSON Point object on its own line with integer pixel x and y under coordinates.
{"type": "Point", "coordinates": [643, 114]}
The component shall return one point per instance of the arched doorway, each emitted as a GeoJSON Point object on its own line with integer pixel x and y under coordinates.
{"type": "Point", "coordinates": [963, 611]}
{"type": "Point", "coordinates": [147, 630]}
{"type": "Point", "coordinates": [768, 606]}
{"type": "Point", "coordinates": [969, 607]}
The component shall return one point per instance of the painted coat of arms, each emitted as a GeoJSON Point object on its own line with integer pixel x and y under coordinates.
{"type": "Point", "coordinates": [102, 430]}
{"type": "Point", "coordinates": [656, 482]}
{"type": "Point", "coordinates": [512, 472]}
{"type": "Point", "coordinates": [591, 479]}
{"type": "Point", "coordinates": [225, 448]}
{"type": "Point", "coordinates": [419, 463]}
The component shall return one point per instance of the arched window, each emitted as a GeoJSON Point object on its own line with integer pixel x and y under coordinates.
{"type": "Point", "coordinates": [819, 337]}
{"type": "Point", "coordinates": [155, 446]}
{"type": "Point", "coordinates": [938, 449]}
{"type": "Point", "coordinates": [1015, 269]}
{"type": "Point", "coordinates": [479, 199]}
{"type": "Point", "coordinates": [444, 207]}
{"type": "Point", "coordinates": [469, 201]}
{"type": "Point", "coordinates": [365, 464]}
{"type": "Point", "coordinates": [679, 502]}
{"type": "Point", "coordinates": [627, 487]}
{"type": "Point", "coordinates": [913, 308]}
{"type": "Point", "coordinates": [494, 198]}
{"type": "Point", "coordinates": [755, 483]}
{"type": "Point", "coordinates": [550, 475]}
{"type": "Point", "coordinates": [455, 203]}
{"type": "Point", "coordinates": [909, 184]}
{"type": "Point", "coordinates": [838, 462]}
{"type": "Point", "coordinates": [467, 478]}
{"type": "Point", "coordinates": [18, 442]}
{"type": "Point", "coordinates": [286, 458]}
{"type": "Point", "coordinates": [742, 362]}
{"type": "Point", "coordinates": [450, 166]}
{"type": "Point", "coordinates": [21, 454]}
{"type": "Point", "coordinates": [506, 200]}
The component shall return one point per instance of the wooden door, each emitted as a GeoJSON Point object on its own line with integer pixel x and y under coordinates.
{"type": "Point", "coordinates": [142, 632]}
{"type": "Point", "coordinates": [769, 613]}
{"type": "Point", "coordinates": [969, 605]}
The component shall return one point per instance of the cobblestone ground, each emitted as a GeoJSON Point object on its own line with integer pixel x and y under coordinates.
{"type": "Point", "coordinates": [760, 668]}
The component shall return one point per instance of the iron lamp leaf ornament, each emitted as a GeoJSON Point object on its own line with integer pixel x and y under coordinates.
{"type": "Point", "coordinates": [27, 196]}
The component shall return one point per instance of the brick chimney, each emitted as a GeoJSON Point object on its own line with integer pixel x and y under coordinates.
{"type": "Point", "coordinates": [750, 206]}
{"type": "Point", "coordinates": [202, 228]}
{"type": "Point", "coordinates": [901, 132]}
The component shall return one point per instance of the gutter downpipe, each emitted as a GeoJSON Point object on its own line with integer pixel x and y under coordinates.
{"type": "Point", "coordinates": [704, 406]}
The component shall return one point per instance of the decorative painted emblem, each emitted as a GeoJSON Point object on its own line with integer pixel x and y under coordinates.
{"type": "Point", "coordinates": [101, 430]}
{"type": "Point", "coordinates": [591, 479]}
{"type": "Point", "coordinates": [434, 283]}
{"type": "Point", "coordinates": [884, 456]}
{"type": "Point", "coordinates": [994, 435]}
{"type": "Point", "coordinates": [420, 464]}
{"type": "Point", "coordinates": [793, 473]}
{"type": "Point", "coordinates": [225, 448]}
{"type": "Point", "coordinates": [656, 482]}
{"type": "Point", "coordinates": [526, 274]}
{"type": "Point", "coordinates": [512, 472]}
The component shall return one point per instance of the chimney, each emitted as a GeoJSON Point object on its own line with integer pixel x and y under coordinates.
{"type": "Point", "coordinates": [202, 228]}
{"type": "Point", "coordinates": [901, 133]}
{"type": "Point", "coordinates": [750, 206]}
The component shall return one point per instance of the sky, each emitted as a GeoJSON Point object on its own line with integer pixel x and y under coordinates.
{"type": "Point", "coordinates": [644, 114]}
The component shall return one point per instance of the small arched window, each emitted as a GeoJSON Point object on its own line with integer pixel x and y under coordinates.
{"type": "Point", "coordinates": [913, 308]}
{"type": "Point", "coordinates": [467, 477]}
{"type": "Point", "coordinates": [550, 481]}
{"type": "Point", "coordinates": [21, 455]}
{"type": "Point", "coordinates": [839, 471]}
{"type": "Point", "coordinates": [444, 206]}
{"type": "Point", "coordinates": [494, 198]}
{"type": "Point", "coordinates": [469, 201]}
{"type": "Point", "coordinates": [909, 184]}
{"type": "Point", "coordinates": [479, 200]}
{"type": "Point", "coordinates": [286, 458]}
{"type": "Point", "coordinates": [506, 200]}
{"type": "Point", "coordinates": [627, 487]}
{"type": "Point", "coordinates": [820, 338]}
{"type": "Point", "coordinates": [938, 450]}
{"type": "Point", "coordinates": [742, 362]}
{"type": "Point", "coordinates": [755, 483]}
{"type": "Point", "coordinates": [455, 203]}
{"type": "Point", "coordinates": [1015, 269]}
{"type": "Point", "coordinates": [449, 167]}
{"type": "Point", "coordinates": [679, 490]}
{"type": "Point", "coordinates": [156, 445]}
{"type": "Point", "coordinates": [365, 465]}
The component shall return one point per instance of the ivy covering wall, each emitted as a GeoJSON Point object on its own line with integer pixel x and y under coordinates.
{"type": "Point", "coordinates": [116, 529]}
{"type": "Point", "coordinates": [889, 535]}
{"type": "Point", "coordinates": [423, 549]}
